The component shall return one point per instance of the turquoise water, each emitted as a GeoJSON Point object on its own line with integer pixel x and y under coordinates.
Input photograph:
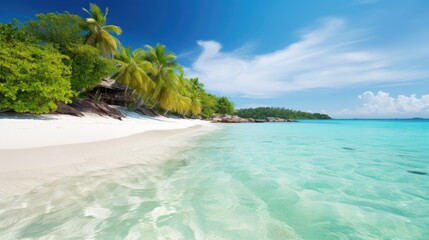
{"type": "Point", "coordinates": [331, 179]}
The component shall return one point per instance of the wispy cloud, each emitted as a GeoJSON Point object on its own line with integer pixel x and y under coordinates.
{"type": "Point", "coordinates": [328, 56]}
{"type": "Point", "coordinates": [382, 104]}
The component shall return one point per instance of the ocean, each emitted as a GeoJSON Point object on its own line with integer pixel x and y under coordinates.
{"type": "Point", "coordinates": [314, 179]}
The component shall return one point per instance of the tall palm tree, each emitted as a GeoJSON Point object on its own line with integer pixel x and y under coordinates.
{"type": "Point", "coordinates": [100, 34]}
{"type": "Point", "coordinates": [169, 86]}
{"type": "Point", "coordinates": [134, 72]}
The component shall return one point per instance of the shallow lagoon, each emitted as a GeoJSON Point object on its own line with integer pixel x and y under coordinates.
{"type": "Point", "coordinates": [331, 179]}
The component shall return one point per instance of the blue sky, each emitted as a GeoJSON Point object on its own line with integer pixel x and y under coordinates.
{"type": "Point", "coordinates": [356, 58]}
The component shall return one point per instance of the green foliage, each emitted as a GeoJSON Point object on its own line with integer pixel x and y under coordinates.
{"type": "Point", "coordinates": [224, 106]}
{"type": "Point", "coordinates": [170, 87]}
{"type": "Point", "coordinates": [32, 78]}
{"type": "Point", "coordinates": [99, 34]}
{"type": "Point", "coordinates": [264, 112]}
{"type": "Point", "coordinates": [62, 29]}
{"type": "Point", "coordinates": [134, 71]}
{"type": "Point", "coordinates": [209, 105]}
{"type": "Point", "coordinates": [63, 58]}
{"type": "Point", "coordinates": [11, 34]}
{"type": "Point", "coordinates": [88, 68]}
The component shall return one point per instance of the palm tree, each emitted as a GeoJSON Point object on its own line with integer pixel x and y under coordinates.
{"type": "Point", "coordinates": [197, 84]}
{"type": "Point", "coordinates": [195, 93]}
{"type": "Point", "coordinates": [169, 85]}
{"type": "Point", "coordinates": [100, 34]}
{"type": "Point", "coordinates": [134, 72]}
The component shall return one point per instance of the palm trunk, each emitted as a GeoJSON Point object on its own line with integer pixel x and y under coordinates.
{"type": "Point", "coordinates": [138, 103]}
{"type": "Point", "coordinates": [125, 96]}
{"type": "Point", "coordinates": [153, 105]}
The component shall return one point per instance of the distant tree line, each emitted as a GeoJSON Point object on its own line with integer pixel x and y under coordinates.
{"type": "Point", "coordinates": [264, 112]}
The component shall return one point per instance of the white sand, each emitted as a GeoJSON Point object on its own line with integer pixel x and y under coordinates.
{"type": "Point", "coordinates": [19, 132]}
{"type": "Point", "coordinates": [35, 152]}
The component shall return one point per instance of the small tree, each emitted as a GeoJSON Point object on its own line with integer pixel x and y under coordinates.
{"type": "Point", "coordinates": [224, 106]}
{"type": "Point", "coordinates": [62, 29]}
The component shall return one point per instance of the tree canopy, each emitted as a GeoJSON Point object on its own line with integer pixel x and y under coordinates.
{"type": "Point", "coordinates": [264, 112]}
{"type": "Point", "coordinates": [62, 29]}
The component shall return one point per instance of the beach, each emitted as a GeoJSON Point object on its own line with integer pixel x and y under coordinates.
{"type": "Point", "coordinates": [36, 150]}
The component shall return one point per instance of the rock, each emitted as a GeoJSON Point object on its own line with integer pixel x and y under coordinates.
{"type": "Point", "coordinates": [229, 119]}
{"type": "Point", "coordinates": [244, 120]}
{"type": "Point", "coordinates": [275, 119]}
{"type": "Point", "coordinates": [109, 111]}
{"type": "Point", "coordinates": [260, 120]}
{"type": "Point", "coordinates": [100, 108]}
{"type": "Point", "coordinates": [216, 119]}
{"type": "Point", "coordinates": [251, 120]}
{"type": "Point", "coordinates": [146, 112]}
{"type": "Point", "coordinates": [271, 119]}
{"type": "Point", "coordinates": [63, 108]}
{"type": "Point", "coordinates": [291, 120]}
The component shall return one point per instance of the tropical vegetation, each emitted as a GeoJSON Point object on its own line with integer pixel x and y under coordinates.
{"type": "Point", "coordinates": [264, 112]}
{"type": "Point", "coordinates": [56, 57]}
{"type": "Point", "coordinates": [33, 78]}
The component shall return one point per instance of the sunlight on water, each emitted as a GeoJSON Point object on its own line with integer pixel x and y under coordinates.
{"type": "Point", "coordinates": [308, 180]}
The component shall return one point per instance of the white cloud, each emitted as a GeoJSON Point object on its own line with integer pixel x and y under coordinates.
{"type": "Point", "coordinates": [384, 105]}
{"type": "Point", "coordinates": [329, 56]}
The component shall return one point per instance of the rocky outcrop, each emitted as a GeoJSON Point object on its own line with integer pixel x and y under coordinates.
{"type": "Point", "coordinates": [275, 119]}
{"type": "Point", "coordinates": [96, 107]}
{"type": "Point", "coordinates": [148, 112]}
{"type": "Point", "coordinates": [63, 108]}
{"type": "Point", "coordinates": [236, 119]}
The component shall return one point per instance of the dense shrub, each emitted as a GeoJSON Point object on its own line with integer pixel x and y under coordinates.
{"type": "Point", "coordinates": [32, 78]}
{"type": "Point", "coordinates": [88, 68]}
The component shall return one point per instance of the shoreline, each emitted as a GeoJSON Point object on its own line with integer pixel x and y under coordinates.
{"type": "Point", "coordinates": [23, 131]}
{"type": "Point", "coordinates": [25, 169]}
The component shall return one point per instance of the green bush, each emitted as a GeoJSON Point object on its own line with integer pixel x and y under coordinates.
{"type": "Point", "coordinates": [10, 34]}
{"type": "Point", "coordinates": [33, 78]}
{"type": "Point", "coordinates": [224, 106]}
{"type": "Point", "coordinates": [88, 68]}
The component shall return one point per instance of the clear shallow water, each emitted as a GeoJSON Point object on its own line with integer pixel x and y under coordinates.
{"type": "Point", "coordinates": [309, 180]}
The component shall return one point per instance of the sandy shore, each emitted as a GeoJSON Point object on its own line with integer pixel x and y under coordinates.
{"type": "Point", "coordinates": [38, 151]}
{"type": "Point", "coordinates": [30, 131]}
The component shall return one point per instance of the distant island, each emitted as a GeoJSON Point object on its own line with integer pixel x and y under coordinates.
{"type": "Point", "coordinates": [279, 112]}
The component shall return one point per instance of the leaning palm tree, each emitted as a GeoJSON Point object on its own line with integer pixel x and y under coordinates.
{"type": "Point", "coordinates": [134, 72]}
{"type": "Point", "coordinates": [194, 92]}
{"type": "Point", "coordinates": [168, 82]}
{"type": "Point", "coordinates": [99, 34]}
